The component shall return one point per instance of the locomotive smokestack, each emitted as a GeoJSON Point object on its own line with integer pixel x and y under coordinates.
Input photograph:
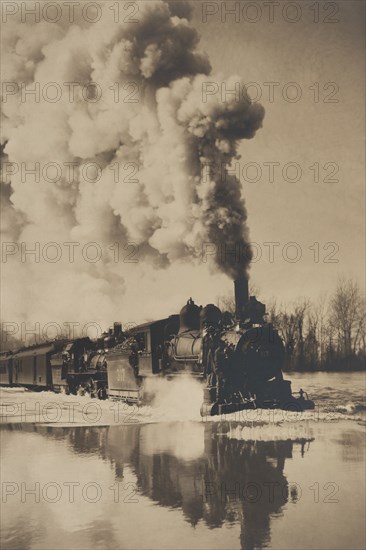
{"type": "Point", "coordinates": [117, 329]}
{"type": "Point", "coordinates": [241, 297]}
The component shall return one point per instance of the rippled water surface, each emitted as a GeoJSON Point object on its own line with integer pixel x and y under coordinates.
{"type": "Point", "coordinates": [79, 474]}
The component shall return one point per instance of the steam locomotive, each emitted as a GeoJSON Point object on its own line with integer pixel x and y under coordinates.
{"type": "Point", "coordinates": [239, 358]}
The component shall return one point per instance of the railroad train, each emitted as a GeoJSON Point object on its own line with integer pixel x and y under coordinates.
{"type": "Point", "coordinates": [238, 357]}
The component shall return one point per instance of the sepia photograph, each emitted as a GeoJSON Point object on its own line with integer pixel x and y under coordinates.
{"type": "Point", "coordinates": [183, 306]}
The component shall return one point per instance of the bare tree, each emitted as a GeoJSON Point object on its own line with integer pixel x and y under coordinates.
{"type": "Point", "coordinates": [299, 313]}
{"type": "Point", "coordinates": [347, 316]}
{"type": "Point", "coordinates": [273, 311]}
{"type": "Point", "coordinates": [226, 303]}
{"type": "Point", "coordinates": [287, 328]}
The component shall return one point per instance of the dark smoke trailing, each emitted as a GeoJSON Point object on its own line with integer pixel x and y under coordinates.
{"type": "Point", "coordinates": [226, 214]}
{"type": "Point", "coordinates": [151, 116]}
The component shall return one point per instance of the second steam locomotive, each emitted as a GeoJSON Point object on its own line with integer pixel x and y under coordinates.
{"type": "Point", "coordinates": [239, 359]}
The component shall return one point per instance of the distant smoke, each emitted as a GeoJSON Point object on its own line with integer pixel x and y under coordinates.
{"type": "Point", "coordinates": [170, 133]}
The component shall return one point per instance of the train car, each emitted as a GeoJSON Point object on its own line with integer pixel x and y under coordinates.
{"type": "Point", "coordinates": [6, 368]}
{"type": "Point", "coordinates": [31, 367]}
{"type": "Point", "coordinates": [62, 366]}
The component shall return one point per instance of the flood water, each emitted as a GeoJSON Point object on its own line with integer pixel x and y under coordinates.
{"type": "Point", "coordinates": [163, 478]}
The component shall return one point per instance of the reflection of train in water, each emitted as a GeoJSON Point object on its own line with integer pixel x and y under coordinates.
{"type": "Point", "coordinates": [222, 481]}
{"type": "Point", "coordinates": [239, 358]}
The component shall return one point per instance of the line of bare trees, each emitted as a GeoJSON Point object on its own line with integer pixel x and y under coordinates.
{"type": "Point", "coordinates": [329, 334]}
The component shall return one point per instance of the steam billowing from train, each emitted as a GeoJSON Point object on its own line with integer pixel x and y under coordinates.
{"type": "Point", "coordinates": [147, 116]}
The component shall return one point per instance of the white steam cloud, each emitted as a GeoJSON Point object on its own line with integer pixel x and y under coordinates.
{"type": "Point", "coordinates": [148, 130]}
